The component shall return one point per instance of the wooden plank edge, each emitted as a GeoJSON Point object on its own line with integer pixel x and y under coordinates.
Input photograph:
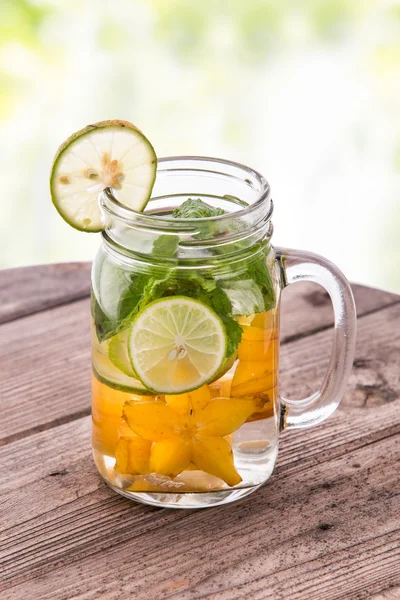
{"type": "Point", "coordinates": [28, 290]}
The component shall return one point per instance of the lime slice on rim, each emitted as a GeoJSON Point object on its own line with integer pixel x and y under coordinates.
{"type": "Point", "coordinates": [177, 344]}
{"type": "Point", "coordinates": [111, 154]}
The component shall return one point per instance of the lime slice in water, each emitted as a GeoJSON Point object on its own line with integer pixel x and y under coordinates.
{"type": "Point", "coordinates": [107, 372]}
{"type": "Point", "coordinates": [111, 154]}
{"type": "Point", "coordinates": [117, 380]}
{"type": "Point", "coordinates": [177, 344]}
{"type": "Point", "coordinates": [118, 352]}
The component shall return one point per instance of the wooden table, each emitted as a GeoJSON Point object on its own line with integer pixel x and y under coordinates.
{"type": "Point", "coordinates": [326, 525]}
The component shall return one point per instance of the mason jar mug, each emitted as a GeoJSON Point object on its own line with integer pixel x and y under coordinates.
{"type": "Point", "coordinates": [185, 338]}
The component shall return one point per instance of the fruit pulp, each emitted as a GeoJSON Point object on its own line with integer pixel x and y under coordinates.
{"type": "Point", "coordinates": [206, 446]}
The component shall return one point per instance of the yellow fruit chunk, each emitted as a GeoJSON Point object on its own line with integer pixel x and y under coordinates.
{"type": "Point", "coordinates": [214, 456]}
{"type": "Point", "coordinates": [265, 320]}
{"type": "Point", "coordinates": [226, 386]}
{"type": "Point", "coordinates": [268, 409]}
{"type": "Point", "coordinates": [107, 406]}
{"type": "Point", "coordinates": [252, 377]}
{"type": "Point", "coordinates": [225, 415]}
{"type": "Point", "coordinates": [104, 439]}
{"type": "Point", "coordinates": [258, 334]}
{"type": "Point", "coordinates": [188, 481]}
{"type": "Point", "coordinates": [199, 481]}
{"type": "Point", "coordinates": [153, 420]}
{"type": "Point", "coordinates": [142, 485]}
{"type": "Point", "coordinates": [106, 402]}
{"type": "Point", "coordinates": [245, 321]}
{"type": "Point", "coordinates": [124, 431]}
{"type": "Point", "coordinates": [182, 376]}
{"type": "Point", "coordinates": [191, 467]}
{"type": "Point", "coordinates": [132, 455]}
{"type": "Point", "coordinates": [259, 350]}
{"type": "Point", "coordinates": [222, 387]}
{"type": "Point", "coordinates": [170, 457]}
{"type": "Point", "coordinates": [191, 435]}
{"type": "Point", "coordinates": [229, 437]}
{"type": "Point", "coordinates": [197, 399]}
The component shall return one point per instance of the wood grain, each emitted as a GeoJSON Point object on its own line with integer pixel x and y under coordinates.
{"type": "Point", "coordinates": [375, 378]}
{"type": "Point", "coordinates": [392, 593]}
{"type": "Point", "coordinates": [45, 370]}
{"type": "Point", "coordinates": [304, 531]}
{"type": "Point", "coordinates": [28, 290]}
{"type": "Point", "coordinates": [307, 309]}
{"type": "Point", "coordinates": [325, 527]}
{"type": "Point", "coordinates": [62, 502]}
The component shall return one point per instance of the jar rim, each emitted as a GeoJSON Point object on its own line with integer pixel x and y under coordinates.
{"type": "Point", "coordinates": [261, 205]}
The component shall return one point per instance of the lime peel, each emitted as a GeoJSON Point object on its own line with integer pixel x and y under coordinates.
{"type": "Point", "coordinates": [106, 154]}
{"type": "Point", "coordinates": [177, 344]}
{"type": "Point", "coordinates": [118, 353]}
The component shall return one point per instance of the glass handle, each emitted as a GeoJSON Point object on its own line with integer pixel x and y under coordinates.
{"type": "Point", "coordinates": [296, 265]}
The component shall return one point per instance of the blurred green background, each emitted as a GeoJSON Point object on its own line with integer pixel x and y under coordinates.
{"type": "Point", "coordinates": [306, 92]}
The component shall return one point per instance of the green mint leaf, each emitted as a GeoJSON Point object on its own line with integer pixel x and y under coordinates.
{"type": "Point", "coordinates": [110, 319]}
{"type": "Point", "coordinates": [220, 302]}
{"type": "Point", "coordinates": [165, 246]}
{"type": "Point", "coordinates": [210, 292]}
{"type": "Point", "coordinates": [104, 325]}
{"type": "Point", "coordinates": [196, 209]}
{"type": "Point", "coordinates": [247, 287]}
{"type": "Point", "coordinates": [252, 268]}
{"type": "Point", "coordinates": [245, 296]}
{"type": "Point", "coordinates": [122, 294]}
{"type": "Point", "coordinates": [258, 271]}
